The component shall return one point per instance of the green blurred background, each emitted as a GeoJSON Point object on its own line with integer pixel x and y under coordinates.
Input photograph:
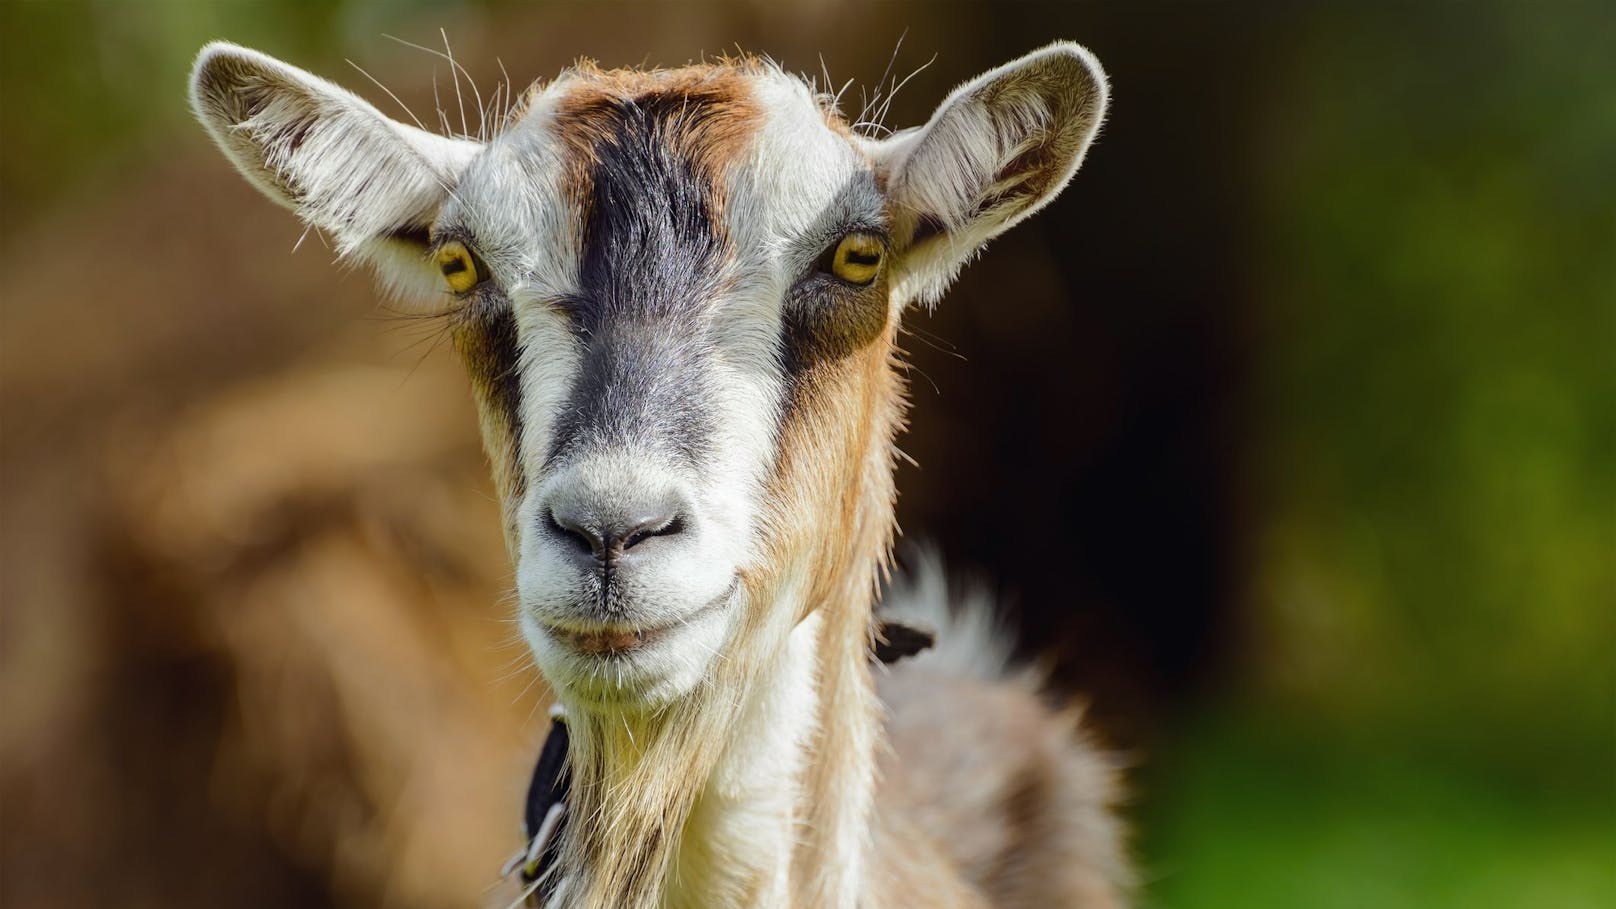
{"type": "Point", "coordinates": [1292, 425]}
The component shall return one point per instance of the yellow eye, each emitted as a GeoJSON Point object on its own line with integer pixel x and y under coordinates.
{"type": "Point", "coordinates": [460, 267]}
{"type": "Point", "coordinates": [857, 259]}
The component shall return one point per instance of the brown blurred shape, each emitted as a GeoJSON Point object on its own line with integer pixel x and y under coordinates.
{"type": "Point", "coordinates": [256, 650]}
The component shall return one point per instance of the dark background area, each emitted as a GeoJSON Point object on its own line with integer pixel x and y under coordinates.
{"type": "Point", "coordinates": [1287, 431]}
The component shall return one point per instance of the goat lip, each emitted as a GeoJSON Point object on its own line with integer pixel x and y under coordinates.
{"type": "Point", "coordinates": [616, 640]}
{"type": "Point", "coordinates": [607, 641]}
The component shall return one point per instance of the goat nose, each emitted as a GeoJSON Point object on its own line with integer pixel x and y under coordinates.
{"type": "Point", "coordinates": [607, 536]}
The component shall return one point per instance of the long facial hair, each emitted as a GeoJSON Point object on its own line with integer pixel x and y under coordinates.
{"type": "Point", "coordinates": [636, 775]}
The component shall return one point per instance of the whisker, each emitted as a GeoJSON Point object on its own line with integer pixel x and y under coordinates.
{"type": "Point", "coordinates": [929, 381]}
{"type": "Point", "coordinates": [935, 342]}
{"type": "Point", "coordinates": [881, 115]}
{"type": "Point", "coordinates": [455, 72]}
{"type": "Point", "coordinates": [443, 119]}
{"type": "Point", "coordinates": [865, 112]}
{"type": "Point", "coordinates": [510, 93]}
{"type": "Point", "coordinates": [845, 86]}
{"type": "Point", "coordinates": [869, 124]}
{"type": "Point", "coordinates": [389, 92]}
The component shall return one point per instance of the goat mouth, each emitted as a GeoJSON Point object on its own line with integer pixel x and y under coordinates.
{"type": "Point", "coordinates": [622, 640]}
{"type": "Point", "coordinates": [608, 641]}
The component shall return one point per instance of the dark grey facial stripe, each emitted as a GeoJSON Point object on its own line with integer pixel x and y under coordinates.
{"type": "Point", "coordinates": [640, 383]}
{"type": "Point", "coordinates": [649, 267]}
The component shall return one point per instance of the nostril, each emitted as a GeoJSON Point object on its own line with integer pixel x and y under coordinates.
{"type": "Point", "coordinates": [583, 537]}
{"type": "Point", "coordinates": [612, 539]}
{"type": "Point", "coordinates": [665, 527]}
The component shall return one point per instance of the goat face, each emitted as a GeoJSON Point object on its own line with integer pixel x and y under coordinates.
{"type": "Point", "coordinates": [676, 293]}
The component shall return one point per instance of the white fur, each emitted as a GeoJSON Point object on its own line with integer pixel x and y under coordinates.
{"type": "Point", "coordinates": [689, 589]}
{"type": "Point", "coordinates": [747, 812]}
{"type": "Point", "coordinates": [348, 171]}
{"type": "Point", "coordinates": [948, 167]}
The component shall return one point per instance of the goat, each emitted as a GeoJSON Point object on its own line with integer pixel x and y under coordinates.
{"type": "Point", "coordinates": [677, 293]}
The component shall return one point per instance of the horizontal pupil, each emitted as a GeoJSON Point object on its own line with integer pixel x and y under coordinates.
{"type": "Point", "coordinates": [454, 266]}
{"type": "Point", "coordinates": [858, 258]}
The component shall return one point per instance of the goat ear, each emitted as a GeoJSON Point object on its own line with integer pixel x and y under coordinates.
{"type": "Point", "coordinates": [371, 184]}
{"type": "Point", "coordinates": [997, 150]}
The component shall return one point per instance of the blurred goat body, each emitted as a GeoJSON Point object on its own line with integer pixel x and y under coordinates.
{"type": "Point", "coordinates": [677, 293]}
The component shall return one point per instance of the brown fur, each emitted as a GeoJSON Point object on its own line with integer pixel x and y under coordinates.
{"type": "Point", "coordinates": [712, 142]}
{"type": "Point", "coordinates": [836, 462]}
{"type": "Point", "coordinates": [486, 342]}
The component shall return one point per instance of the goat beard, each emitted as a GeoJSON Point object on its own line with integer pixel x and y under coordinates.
{"type": "Point", "coordinates": [636, 776]}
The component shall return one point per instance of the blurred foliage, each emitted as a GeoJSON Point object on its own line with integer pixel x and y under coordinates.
{"type": "Point", "coordinates": [1421, 711]}
{"type": "Point", "coordinates": [1439, 451]}
{"type": "Point", "coordinates": [1434, 600]}
{"type": "Point", "coordinates": [107, 74]}
{"type": "Point", "coordinates": [1268, 809]}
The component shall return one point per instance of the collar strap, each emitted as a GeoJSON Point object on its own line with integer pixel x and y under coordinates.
{"type": "Point", "coordinates": [896, 640]}
{"type": "Point", "coordinates": [544, 815]}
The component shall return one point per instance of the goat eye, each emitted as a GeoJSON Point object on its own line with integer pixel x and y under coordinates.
{"type": "Point", "coordinates": [460, 266]}
{"type": "Point", "coordinates": [857, 259]}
